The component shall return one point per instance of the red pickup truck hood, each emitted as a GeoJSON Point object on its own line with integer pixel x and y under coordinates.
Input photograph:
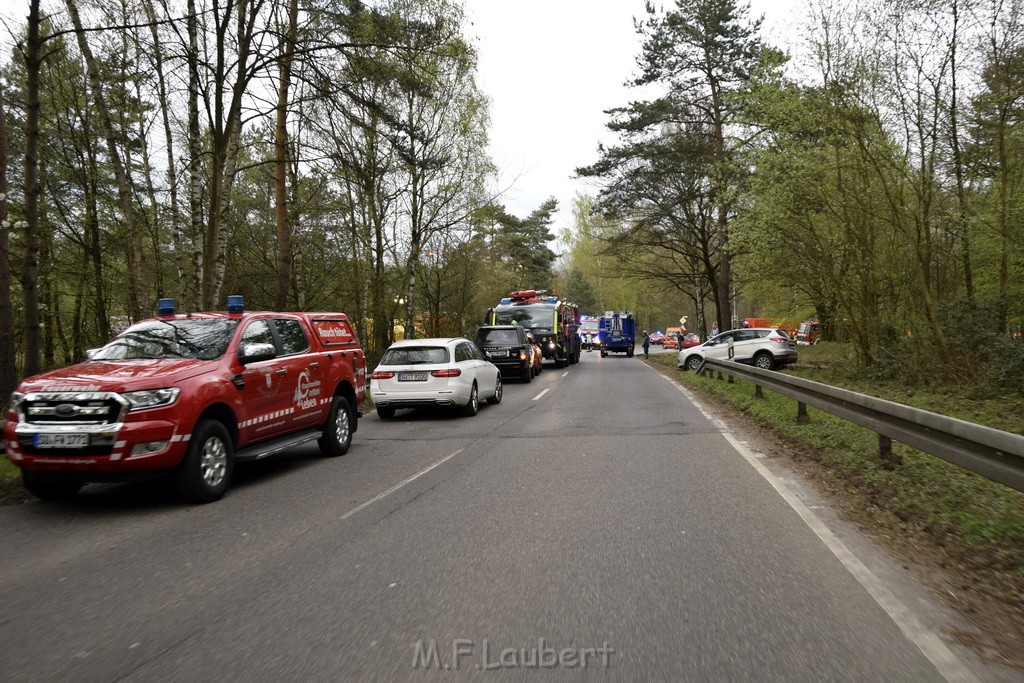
{"type": "Point", "coordinates": [125, 375]}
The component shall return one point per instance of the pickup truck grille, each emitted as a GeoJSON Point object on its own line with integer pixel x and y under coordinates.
{"type": "Point", "coordinates": [72, 409]}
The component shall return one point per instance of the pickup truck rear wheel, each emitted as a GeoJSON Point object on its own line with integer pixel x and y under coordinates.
{"type": "Point", "coordinates": [337, 435]}
{"type": "Point", "coordinates": [204, 475]}
{"type": "Point", "coordinates": [50, 488]}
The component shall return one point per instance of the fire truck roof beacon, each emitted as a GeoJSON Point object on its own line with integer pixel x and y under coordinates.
{"type": "Point", "coordinates": [165, 307]}
{"type": "Point", "coordinates": [235, 303]}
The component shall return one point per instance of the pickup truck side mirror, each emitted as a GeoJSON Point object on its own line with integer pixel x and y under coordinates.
{"type": "Point", "coordinates": [255, 352]}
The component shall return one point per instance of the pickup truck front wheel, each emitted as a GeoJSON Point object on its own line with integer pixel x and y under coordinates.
{"type": "Point", "coordinates": [338, 430]}
{"type": "Point", "coordinates": [204, 475]}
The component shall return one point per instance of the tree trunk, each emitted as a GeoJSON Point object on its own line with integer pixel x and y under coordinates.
{"type": "Point", "coordinates": [95, 252]}
{"type": "Point", "coordinates": [8, 369]}
{"type": "Point", "coordinates": [958, 166]}
{"type": "Point", "coordinates": [193, 289]}
{"type": "Point", "coordinates": [284, 236]}
{"type": "Point", "coordinates": [30, 267]}
{"type": "Point", "coordinates": [172, 178]}
{"type": "Point", "coordinates": [225, 135]}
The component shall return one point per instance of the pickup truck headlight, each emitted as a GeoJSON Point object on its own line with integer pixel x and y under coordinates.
{"type": "Point", "coordinates": [153, 398]}
{"type": "Point", "coordinates": [15, 401]}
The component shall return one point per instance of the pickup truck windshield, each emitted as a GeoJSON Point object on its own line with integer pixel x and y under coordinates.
{"type": "Point", "coordinates": [528, 316]}
{"type": "Point", "coordinates": [202, 339]}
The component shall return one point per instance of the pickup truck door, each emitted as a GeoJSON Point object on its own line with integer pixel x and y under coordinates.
{"type": "Point", "coordinates": [261, 386]}
{"type": "Point", "coordinates": [302, 376]}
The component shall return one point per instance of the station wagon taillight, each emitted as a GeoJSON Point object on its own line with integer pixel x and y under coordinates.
{"type": "Point", "coordinates": [450, 372]}
{"type": "Point", "coordinates": [382, 374]}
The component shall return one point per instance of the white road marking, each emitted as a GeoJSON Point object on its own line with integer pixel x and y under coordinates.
{"type": "Point", "coordinates": [565, 374]}
{"type": "Point", "coordinates": [541, 394]}
{"type": "Point", "coordinates": [398, 486]}
{"type": "Point", "coordinates": [931, 646]}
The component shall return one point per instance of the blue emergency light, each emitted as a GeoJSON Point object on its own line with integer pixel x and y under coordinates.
{"type": "Point", "coordinates": [235, 303]}
{"type": "Point", "coordinates": [506, 300]}
{"type": "Point", "coordinates": [552, 299]}
{"type": "Point", "coordinates": [165, 307]}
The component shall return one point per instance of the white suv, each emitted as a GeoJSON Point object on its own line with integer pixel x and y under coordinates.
{"type": "Point", "coordinates": [762, 347]}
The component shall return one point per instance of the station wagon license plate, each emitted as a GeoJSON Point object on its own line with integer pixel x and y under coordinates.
{"type": "Point", "coordinates": [412, 377]}
{"type": "Point", "coordinates": [60, 440]}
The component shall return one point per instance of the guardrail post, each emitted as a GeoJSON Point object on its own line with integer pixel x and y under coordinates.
{"type": "Point", "coordinates": [758, 392]}
{"type": "Point", "coordinates": [801, 412]}
{"type": "Point", "coordinates": [885, 450]}
{"type": "Point", "coordinates": [719, 374]}
{"type": "Point", "coordinates": [730, 379]}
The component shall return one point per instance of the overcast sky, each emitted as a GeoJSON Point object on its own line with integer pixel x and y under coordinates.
{"type": "Point", "coordinates": [550, 69]}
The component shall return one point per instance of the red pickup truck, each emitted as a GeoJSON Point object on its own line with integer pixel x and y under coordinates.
{"type": "Point", "coordinates": [189, 395]}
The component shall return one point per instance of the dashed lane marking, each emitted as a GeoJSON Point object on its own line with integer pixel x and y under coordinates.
{"type": "Point", "coordinates": [399, 485]}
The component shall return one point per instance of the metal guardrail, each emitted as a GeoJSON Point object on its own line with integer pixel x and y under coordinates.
{"type": "Point", "coordinates": [992, 453]}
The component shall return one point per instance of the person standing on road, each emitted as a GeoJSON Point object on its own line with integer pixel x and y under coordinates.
{"type": "Point", "coordinates": [647, 344]}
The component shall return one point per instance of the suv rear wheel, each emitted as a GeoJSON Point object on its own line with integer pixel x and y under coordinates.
{"type": "Point", "coordinates": [764, 360]}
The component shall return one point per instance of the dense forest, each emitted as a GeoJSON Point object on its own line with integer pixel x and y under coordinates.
{"type": "Point", "coordinates": [331, 155]}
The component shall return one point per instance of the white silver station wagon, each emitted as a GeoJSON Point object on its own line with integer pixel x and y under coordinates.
{"type": "Point", "coordinates": [424, 373]}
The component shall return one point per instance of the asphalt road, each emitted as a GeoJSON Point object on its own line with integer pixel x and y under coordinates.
{"type": "Point", "coordinates": [595, 516]}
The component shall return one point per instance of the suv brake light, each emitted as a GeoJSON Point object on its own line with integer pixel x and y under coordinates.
{"type": "Point", "coordinates": [779, 340]}
{"type": "Point", "coordinates": [382, 374]}
{"type": "Point", "coordinates": [450, 372]}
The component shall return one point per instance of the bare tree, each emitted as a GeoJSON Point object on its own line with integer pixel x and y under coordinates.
{"type": "Point", "coordinates": [124, 191]}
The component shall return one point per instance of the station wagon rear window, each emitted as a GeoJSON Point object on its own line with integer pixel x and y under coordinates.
{"type": "Point", "coordinates": [415, 355]}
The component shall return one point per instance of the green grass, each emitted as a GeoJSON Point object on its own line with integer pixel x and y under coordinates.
{"type": "Point", "coordinates": [10, 480]}
{"type": "Point", "coordinates": [973, 524]}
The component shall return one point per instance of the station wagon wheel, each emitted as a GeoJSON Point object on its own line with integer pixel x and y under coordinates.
{"type": "Point", "coordinates": [205, 473]}
{"type": "Point", "coordinates": [496, 399]}
{"type": "Point", "coordinates": [337, 435]}
{"type": "Point", "coordinates": [385, 412]}
{"type": "Point", "coordinates": [471, 408]}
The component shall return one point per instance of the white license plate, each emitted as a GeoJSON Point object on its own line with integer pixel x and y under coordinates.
{"type": "Point", "coordinates": [61, 440]}
{"type": "Point", "coordinates": [412, 377]}
{"type": "Point", "coordinates": [499, 354]}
